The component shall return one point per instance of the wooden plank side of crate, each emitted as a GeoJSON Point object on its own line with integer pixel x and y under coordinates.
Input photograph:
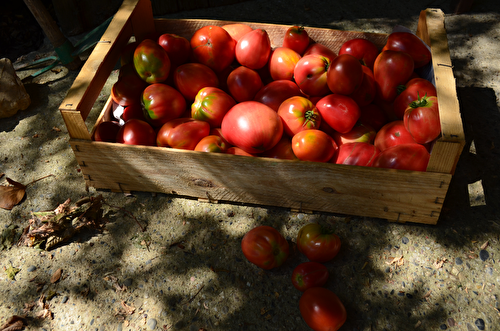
{"type": "Point", "coordinates": [395, 195]}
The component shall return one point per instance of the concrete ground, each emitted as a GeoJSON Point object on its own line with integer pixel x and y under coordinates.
{"type": "Point", "coordinates": [187, 271]}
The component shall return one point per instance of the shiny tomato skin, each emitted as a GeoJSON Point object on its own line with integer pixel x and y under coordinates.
{"type": "Point", "coordinates": [253, 49]}
{"type": "Point", "coordinates": [218, 132]}
{"type": "Point", "coordinates": [421, 120]}
{"type": "Point", "coordinates": [212, 144]}
{"type": "Point", "coordinates": [282, 63]}
{"type": "Point", "coordinates": [136, 132]}
{"type": "Point", "coordinates": [275, 92]}
{"type": "Point", "coordinates": [296, 38]}
{"type": "Point", "coordinates": [359, 133]}
{"type": "Point", "coordinates": [106, 131]}
{"type": "Point", "coordinates": [362, 49]}
{"type": "Point", "coordinates": [129, 86]}
{"type": "Point", "coordinates": [413, 89]}
{"type": "Point", "coordinates": [282, 150]}
{"type": "Point", "coordinates": [309, 274]}
{"type": "Point", "coordinates": [356, 153]}
{"type": "Point", "coordinates": [365, 93]}
{"type": "Point", "coordinates": [162, 103]}
{"type": "Point", "coordinates": [237, 30]}
{"type": "Point", "coordinates": [392, 134]}
{"type": "Point", "coordinates": [178, 48]}
{"type": "Point", "coordinates": [243, 83]}
{"type": "Point", "coordinates": [213, 46]}
{"type": "Point", "coordinates": [373, 116]}
{"type": "Point", "coordinates": [340, 112]}
{"type": "Point", "coordinates": [320, 49]}
{"type": "Point", "coordinates": [210, 105]}
{"type": "Point", "coordinates": [190, 78]}
{"type": "Point", "coordinates": [322, 309]}
{"type": "Point", "coordinates": [265, 247]}
{"type": "Point", "coordinates": [310, 74]}
{"type": "Point", "coordinates": [409, 43]}
{"type": "Point", "coordinates": [133, 111]}
{"type": "Point", "coordinates": [391, 69]}
{"type": "Point", "coordinates": [414, 157]}
{"type": "Point", "coordinates": [344, 75]}
{"type": "Point", "coordinates": [298, 114]}
{"type": "Point", "coordinates": [237, 151]}
{"type": "Point", "coordinates": [252, 126]}
{"type": "Point", "coordinates": [182, 133]}
{"type": "Point", "coordinates": [151, 62]}
{"type": "Point", "coordinates": [318, 243]}
{"type": "Point", "coordinates": [313, 145]}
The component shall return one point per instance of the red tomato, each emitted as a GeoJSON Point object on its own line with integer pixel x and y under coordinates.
{"type": "Point", "coordinates": [106, 131]}
{"type": "Point", "coordinates": [237, 151]}
{"type": "Point", "coordinates": [253, 49]}
{"type": "Point", "coordinates": [309, 274]}
{"type": "Point", "coordinates": [298, 114]}
{"type": "Point", "coordinates": [210, 105]}
{"type": "Point", "coordinates": [282, 63]}
{"type": "Point", "coordinates": [265, 247]}
{"type": "Point", "coordinates": [322, 310]}
{"type": "Point", "coordinates": [282, 150]}
{"type": "Point", "coordinates": [178, 48]}
{"type": "Point", "coordinates": [311, 74]}
{"type": "Point", "coordinates": [391, 69]}
{"type": "Point", "coordinates": [409, 43]}
{"type": "Point", "coordinates": [373, 116]}
{"type": "Point", "coordinates": [128, 87]}
{"type": "Point", "coordinates": [392, 134]}
{"type": "Point", "coordinates": [212, 144]}
{"type": "Point", "coordinates": [356, 153]}
{"type": "Point", "coordinates": [182, 133]}
{"type": "Point", "coordinates": [218, 132]}
{"type": "Point", "coordinates": [362, 49]}
{"type": "Point", "coordinates": [339, 111]}
{"type": "Point", "coordinates": [190, 78]}
{"type": "Point", "coordinates": [365, 93]}
{"type": "Point", "coordinates": [296, 38]}
{"type": "Point", "coordinates": [162, 103]}
{"type": "Point", "coordinates": [237, 30]}
{"type": "Point", "coordinates": [274, 93]}
{"type": "Point", "coordinates": [136, 132]}
{"type": "Point", "coordinates": [322, 50]}
{"type": "Point", "coordinates": [421, 120]}
{"type": "Point", "coordinates": [344, 75]}
{"type": "Point", "coordinates": [359, 133]}
{"type": "Point", "coordinates": [252, 126]}
{"type": "Point", "coordinates": [413, 89]}
{"type": "Point", "coordinates": [151, 62]}
{"type": "Point", "coordinates": [318, 243]}
{"type": "Point", "coordinates": [243, 83]}
{"type": "Point", "coordinates": [413, 157]}
{"type": "Point", "coordinates": [213, 46]}
{"type": "Point", "coordinates": [313, 145]}
{"type": "Point", "coordinates": [133, 111]}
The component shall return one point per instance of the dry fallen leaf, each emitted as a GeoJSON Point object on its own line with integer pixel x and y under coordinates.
{"type": "Point", "coordinates": [11, 195]}
{"type": "Point", "coordinates": [56, 276]}
{"type": "Point", "coordinates": [485, 245]}
{"type": "Point", "coordinates": [14, 323]}
{"type": "Point", "coordinates": [439, 263]}
{"type": "Point", "coordinates": [11, 272]}
{"type": "Point", "coordinates": [128, 309]}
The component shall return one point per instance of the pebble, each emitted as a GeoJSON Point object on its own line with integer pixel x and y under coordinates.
{"type": "Point", "coordinates": [451, 322]}
{"type": "Point", "coordinates": [152, 324]}
{"type": "Point", "coordinates": [458, 261]}
{"type": "Point", "coordinates": [128, 282]}
{"type": "Point", "coordinates": [64, 299]}
{"type": "Point", "coordinates": [443, 327]}
{"type": "Point", "coordinates": [31, 268]}
{"type": "Point", "coordinates": [484, 255]}
{"type": "Point", "coordinates": [405, 240]}
{"type": "Point", "coordinates": [479, 323]}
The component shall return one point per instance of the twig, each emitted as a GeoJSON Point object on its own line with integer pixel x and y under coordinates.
{"type": "Point", "coordinates": [194, 296]}
{"type": "Point", "coordinates": [36, 180]}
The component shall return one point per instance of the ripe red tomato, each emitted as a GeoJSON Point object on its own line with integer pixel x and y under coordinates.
{"type": "Point", "coordinates": [210, 105]}
{"type": "Point", "coordinates": [296, 38]}
{"type": "Point", "coordinates": [218, 132]}
{"type": "Point", "coordinates": [252, 126]}
{"type": "Point", "coordinates": [373, 116]}
{"type": "Point", "coordinates": [322, 50]}
{"type": "Point", "coordinates": [182, 133]}
{"type": "Point", "coordinates": [213, 46]}
{"type": "Point", "coordinates": [282, 63]}
{"type": "Point", "coordinates": [265, 247]}
{"type": "Point", "coordinates": [362, 49]}
{"type": "Point", "coordinates": [392, 134]}
{"type": "Point", "coordinates": [237, 30]}
{"type": "Point", "coordinates": [339, 111]}
{"type": "Point", "coordinates": [162, 103]}
{"type": "Point", "coordinates": [282, 150]}
{"type": "Point", "coordinates": [128, 87]}
{"type": "Point", "coordinates": [322, 309]}
{"type": "Point", "coordinates": [178, 48]}
{"type": "Point", "coordinates": [309, 274]}
{"type": "Point", "coordinates": [413, 157]}
{"type": "Point", "coordinates": [274, 93]}
{"type": "Point", "coordinates": [311, 74]}
{"type": "Point", "coordinates": [421, 120]}
{"type": "Point", "coordinates": [106, 131]}
{"type": "Point", "coordinates": [243, 83]}
{"type": "Point", "coordinates": [151, 62]}
{"type": "Point", "coordinates": [253, 49]}
{"type": "Point", "coordinates": [391, 69]}
{"type": "Point", "coordinates": [409, 43]}
{"type": "Point", "coordinates": [313, 145]}
{"type": "Point", "coordinates": [133, 111]}
{"type": "Point", "coordinates": [190, 78]}
{"type": "Point", "coordinates": [136, 132]}
{"type": "Point", "coordinates": [365, 93]}
{"type": "Point", "coordinates": [359, 133]}
{"type": "Point", "coordinates": [318, 243]}
{"type": "Point", "coordinates": [356, 153]}
{"type": "Point", "coordinates": [344, 75]}
{"type": "Point", "coordinates": [298, 114]}
{"type": "Point", "coordinates": [413, 89]}
{"type": "Point", "coordinates": [212, 144]}
{"type": "Point", "coordinates": [237, 151]}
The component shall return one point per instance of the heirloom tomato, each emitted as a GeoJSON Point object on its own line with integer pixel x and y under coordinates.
{"type": "Point", "coordinates": [136, 132]}
{"type": "Point", "coordinates": [339, 111]}
{"type": "Point", "coordinates": [237, 30]}
{"type": "Point", "coordinates": [313, 145]}
{"type": "Point", "coordinates": [162, 103]}
{"type": "Point", "coordinates": [275, 92]}
{"type": "Point", "coordinates": [178, 48]}
{"type": "Point", "coordinates": [391, 69]}
{"type": "Point", "coordinates": [362, 49]}
{"type": "Point", "coordinates": [182, 133]}
{"type": "Point", "coordinates": [392, 134]}
{"type": "Point", "coordinates": [373, 116]}
{"type": "Point", "coordinates": [309, 274]}
{"type": "Point", "coordinates": [265, 247]}
{"type": "Point", "coordinates": [282, 62]}
{"type": "Point", "coordinates": [243, 83]}
{"type": "Point", "coordinates": [252, 126]}
{"type": "Point", "coordinates": [409, 43]}
{"type": "Point", "coordinates": [106, 131]}
{"type": "Point", "coordinates": [310, 74]}
{"type": "Point", "coordinates": [128, 87]}
{"type": "Point", "coordinates": [344, 75]}
{"type": "Point", "coordinates": [413, 157]}
{"type": "Point", "coordinates": [218, 132]}
{"type": "Point", "coordinates": [359, 133]}
{"type": "Point", "coordinates": [133, 111]}
{"type": "Point", "coordinates": [318, 243]}
{"type": "Point", "coordinates": [322, 309]}
{"type": "Point", "coordinates": [421, 119]}
{"type": "Point", "coordinates": [282, 150]}
{"type": "Point", "coordinates": [365, 93]}
{"type": "Point", "coordinates": [356, 153]}
{"type": "Point", "coordinates": [296, 38]}
{"type": "Point", "coordinates": [298, 114]}
{"type": "Point", "coordinates": [210, 105]}
{"type": "Point", "coordinates": [212, 144]}
{"type": "Point", "coordinates": [213, 46]}
{"type": "Point", "coordinates": [320, 49]}
{"type": "Point", "coordinates": [151, 62]}
{"type": "Point", "coordinates": [413, 89]}
{"type": "Point", "coordinates": [253, 49]}
{"type": "Point", "coordinates": [190, 78]}
{"type": "Point", "coordinates": [237, 151]}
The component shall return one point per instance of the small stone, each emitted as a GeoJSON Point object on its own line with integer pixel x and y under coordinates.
{"type": "Point", "coordinates": [458, 261]}
{"type": "Point", "coordinates": [409, 296]}
{"type": "Point", "coordinates": [65, 299]}
{"type": "Point", "coordinates": [128, 282]}
{"type": "Point", "coordinates": [405, 240]}
{"type": "Point", "coordinates": [31, 268]}
{"type": "Point", "coordinates": [152, 324]}
{"type": "Point", "coordinates": [443, 327]}
{"type": "Point", "coordinates": [479, 323]}
{"type": "Point", "coordinates": [484, 255]}
{"type": "Point", "coordinates": [451, 322]}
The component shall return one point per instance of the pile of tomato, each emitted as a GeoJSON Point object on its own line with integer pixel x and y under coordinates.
{"type": "Point", "coordinates": [227, 90]}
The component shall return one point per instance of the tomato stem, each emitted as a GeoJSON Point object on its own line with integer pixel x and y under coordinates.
{"type": "Point", "coordinates": [420, 102]}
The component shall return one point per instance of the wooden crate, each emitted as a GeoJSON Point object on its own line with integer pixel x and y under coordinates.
{"type": "Point", "coordinates": [396, 195]}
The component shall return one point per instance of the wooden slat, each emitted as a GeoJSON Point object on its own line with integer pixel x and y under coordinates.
{"type": "Point", "coordinates": [444, 156]}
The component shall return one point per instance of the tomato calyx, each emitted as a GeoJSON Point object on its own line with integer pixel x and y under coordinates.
{"type": "Point", "coordinates": [400, 88]}
{"type": "Point", "coordinates": [310, 116]}
{"type": "Point", "coordinates": [420, 102]}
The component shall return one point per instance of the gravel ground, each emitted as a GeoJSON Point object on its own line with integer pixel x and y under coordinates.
{"type": "Point", "coordinates": [187, 271]}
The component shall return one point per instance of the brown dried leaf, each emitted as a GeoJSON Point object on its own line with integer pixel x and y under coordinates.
{"type": "Point", "coordinates": [483, 246]}
{"type": "Point", "coordinates": [14, 323]}
{"type": "Point", "coordinates": [56, 276]}
{"type": "Point", "coordinates": [128, 309]}
{"type": "Point", "coordinates": [11, 195]}
{"type": "Point", "coordinates": [45, 313]}
{"type": "Point", "coordinates": [56, 129]}
{"type": "Point", "coordinates": [439, 263]}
